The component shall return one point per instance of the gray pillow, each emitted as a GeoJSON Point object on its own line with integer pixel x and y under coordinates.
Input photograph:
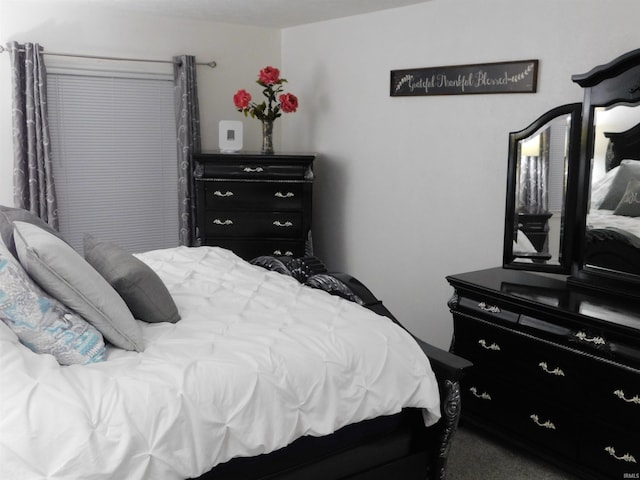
{"type": "Point", "coordinates": [8, 215]}
{"type": "Point", "coordinates": [629, 170]}
{"type": "Point", "coordinates": [42, 323]}
{"type": "Point", "coordinates": [630, 203]}
{"type": "Point", "coordinates": [139, 286]}
{"type": "Point", "coordinates": [65, 275]}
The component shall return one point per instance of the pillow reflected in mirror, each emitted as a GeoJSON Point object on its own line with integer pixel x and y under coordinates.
{"type": "Point", "coordinates": [629, 170]}
{"type": "Point", "coordinates": [630, 203]}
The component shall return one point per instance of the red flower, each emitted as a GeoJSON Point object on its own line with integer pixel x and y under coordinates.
{"type": "Point", "coordinates": [275, 103]}
{"type": "Point", "coordinates": [288, 102]}
{"type": "Point", "coordinates": [269, 75]}
{"type": "Point", "coordinates": [241, 99]}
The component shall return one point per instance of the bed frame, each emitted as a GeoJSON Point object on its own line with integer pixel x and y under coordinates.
{"type": "Point", "coordinates": [612, 249]}
{"type": "Point", "coordinates": [395, 446]}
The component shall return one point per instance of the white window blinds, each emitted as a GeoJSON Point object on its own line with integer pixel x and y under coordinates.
{"type": "Point", "coordinates": [113, 142]}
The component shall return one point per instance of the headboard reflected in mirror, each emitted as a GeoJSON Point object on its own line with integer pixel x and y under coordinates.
{"type": "Point", "coordinates": [622, 145]}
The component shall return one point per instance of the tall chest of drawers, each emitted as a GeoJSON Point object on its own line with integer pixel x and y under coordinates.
{"type": "Point", "coordinates": [254, 204]}
{"type": "Point", "coordinates": [556, 370]}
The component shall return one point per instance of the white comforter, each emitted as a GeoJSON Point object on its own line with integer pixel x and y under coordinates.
{"type": "Point", "coordinates": [606, 219]}
{"type": "Point", "coordinates": [256, 361]}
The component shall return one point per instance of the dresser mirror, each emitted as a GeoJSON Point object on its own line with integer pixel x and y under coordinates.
{"type": "Point", "coordinates": [538, 216]}
{"type": "Point", "coordinates": [608, 217]}
{"type": "Point", "coordinates": [573, 191]}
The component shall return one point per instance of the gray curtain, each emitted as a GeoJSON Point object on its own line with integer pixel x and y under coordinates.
{"type": "Point", "coordinates": [533, 194]}
{"type": "Point", "coordinates": [533, 173]}
{"type": "Point", "coordinates": [33, 187]}
{"type": "Point", "coordinates": [188, 129]}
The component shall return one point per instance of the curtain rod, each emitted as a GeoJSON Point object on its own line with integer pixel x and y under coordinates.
{"type": "Point", "coordinates": [211, 64]}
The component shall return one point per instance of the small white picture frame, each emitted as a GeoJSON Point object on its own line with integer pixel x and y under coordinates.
{"type": "Point", "coordinates": [230, 136]}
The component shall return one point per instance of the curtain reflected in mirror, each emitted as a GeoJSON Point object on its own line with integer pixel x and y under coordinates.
{"type": "Point", "coordinates": [533, 170]}
{"type": "Point", "coordinates": [536, 211]}
{"type": "Point", "coordinates": [540, 188]}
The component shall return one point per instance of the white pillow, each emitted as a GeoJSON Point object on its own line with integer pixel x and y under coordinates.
{"type": "Point", "coordinates": [628, 170]}
{"type": "Point", "coordinates": [66, 276]}
{"type": "Point", "coordinates": [601, 187]}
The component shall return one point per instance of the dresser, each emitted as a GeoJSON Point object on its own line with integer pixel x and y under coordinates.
{"type": "Point", "coordinates": [254, 204]}
{"type": "Point", "coordinates": [536, 227]}
{"type": "Point", "coordinates": [556, 368]}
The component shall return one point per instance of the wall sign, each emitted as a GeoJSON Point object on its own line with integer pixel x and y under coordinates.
{"type": "Point", "coordinates": [505, 77]}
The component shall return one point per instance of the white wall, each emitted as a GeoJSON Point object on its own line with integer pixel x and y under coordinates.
{"type": "Point", "coordinates": [412, 189]}
{"type": "Point", "coordinates": [239, 51]}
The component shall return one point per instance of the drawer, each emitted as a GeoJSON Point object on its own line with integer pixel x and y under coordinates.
{"type": "Point", "coordinates": [483, 343]}
{"type": "Point", "coordinates": [552, 371]}
{"type": "Point", "coordinates": [613, 452]}
{"type": "Point", "coordinates": [249, 249]}
{"type": "Point", "coordinates": [534, 226]}
{"type": "Point", "coordinates": [260, 224]}
{"type": "Point", "coordinates": [547, 423]}
{"type": "Point", "coordinates": [245, 168]}
{"type": "Point", "coordinates": [615, 391]}
{"type": "Point", "coordinates": [488, 309]}
{"type": "Point", "coordinates": [487, 397]}
{"type": "Point", "coordinates": [255, 195]}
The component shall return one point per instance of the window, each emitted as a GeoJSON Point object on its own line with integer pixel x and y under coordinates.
{"type": "Point", "coordinates": [113, 140]}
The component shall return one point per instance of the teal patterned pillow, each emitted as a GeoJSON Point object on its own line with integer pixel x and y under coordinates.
{"type": "Point", "coordinates": [42, 323]}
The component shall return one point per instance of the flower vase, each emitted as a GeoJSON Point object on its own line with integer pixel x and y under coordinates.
{"type": "Point", "coordinates": [267, 137]}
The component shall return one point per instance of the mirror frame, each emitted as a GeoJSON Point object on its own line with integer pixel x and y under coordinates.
{"type": "Point", "coordinates": [617, 82]}
{"type": "Point", "coordinates": [565, 260]}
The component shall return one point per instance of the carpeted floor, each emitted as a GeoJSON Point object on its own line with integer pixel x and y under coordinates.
{"type": "Point", "coordinates": [476, 457]}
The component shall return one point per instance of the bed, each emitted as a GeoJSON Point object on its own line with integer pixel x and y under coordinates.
{"type": "Point", "coordinates": [193, 363]}
{"type": "Point", "coordinates": [613, 223]}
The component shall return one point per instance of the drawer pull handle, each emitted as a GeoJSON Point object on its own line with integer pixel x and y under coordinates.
{"type": "Point", "coordinates": [284, 195]}
{"type": "Point", "coordinates": [225, 223]}
{"type": "Point", "coordinates": [286, 224]}
{"type": "Point", "coordinates": [218, 193]}
{"type": "Point", "coordinates": [548, 424]}
{"type": "Point", "coordinates": [621, 395]}
{"type": "Point", "coordinates": [288, 253]}
{"type": "Point", "coordinates": [624, 458]}
{"type": "Point", "coordinates": [488, 308]}
{"type": "Point", "coordinates": [482, 396]}
{"type": "Point", "coordinates": [556, 371]}
{"type": "Point", "coordinates": [494, 346]}
{"type": "Point", "coordinates": [595, 340]}
{"type": "Point", "coordinates": [253, 170]}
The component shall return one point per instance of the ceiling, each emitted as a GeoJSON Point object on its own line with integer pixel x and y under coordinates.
{"type": "Point", "coordinates": [266, 13]}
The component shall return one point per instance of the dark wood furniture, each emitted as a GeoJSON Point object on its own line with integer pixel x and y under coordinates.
{"type": "Point", "coordinates": [556, 369]}
{"type": "Point", "coordinates": [389, 447]}
{"type": "Point", "coordinates": [536, 227]}
{"type": "Point", "coordinates": [254, 204]}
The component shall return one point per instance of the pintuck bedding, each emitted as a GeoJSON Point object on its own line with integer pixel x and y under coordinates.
{"type": "Point", "coordinates": [255, 361]}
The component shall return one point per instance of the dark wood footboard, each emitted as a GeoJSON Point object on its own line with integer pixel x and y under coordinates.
{"type": "Point", "coordinates": [612, 249]}
{"type": "Point", "coordinates": [448, 368]}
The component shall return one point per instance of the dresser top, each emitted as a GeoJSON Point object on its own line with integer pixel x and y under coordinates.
{"type": "Point", "coordinates": [551, 294]}
{"type": "Point", "coordinates": [254, 156]}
